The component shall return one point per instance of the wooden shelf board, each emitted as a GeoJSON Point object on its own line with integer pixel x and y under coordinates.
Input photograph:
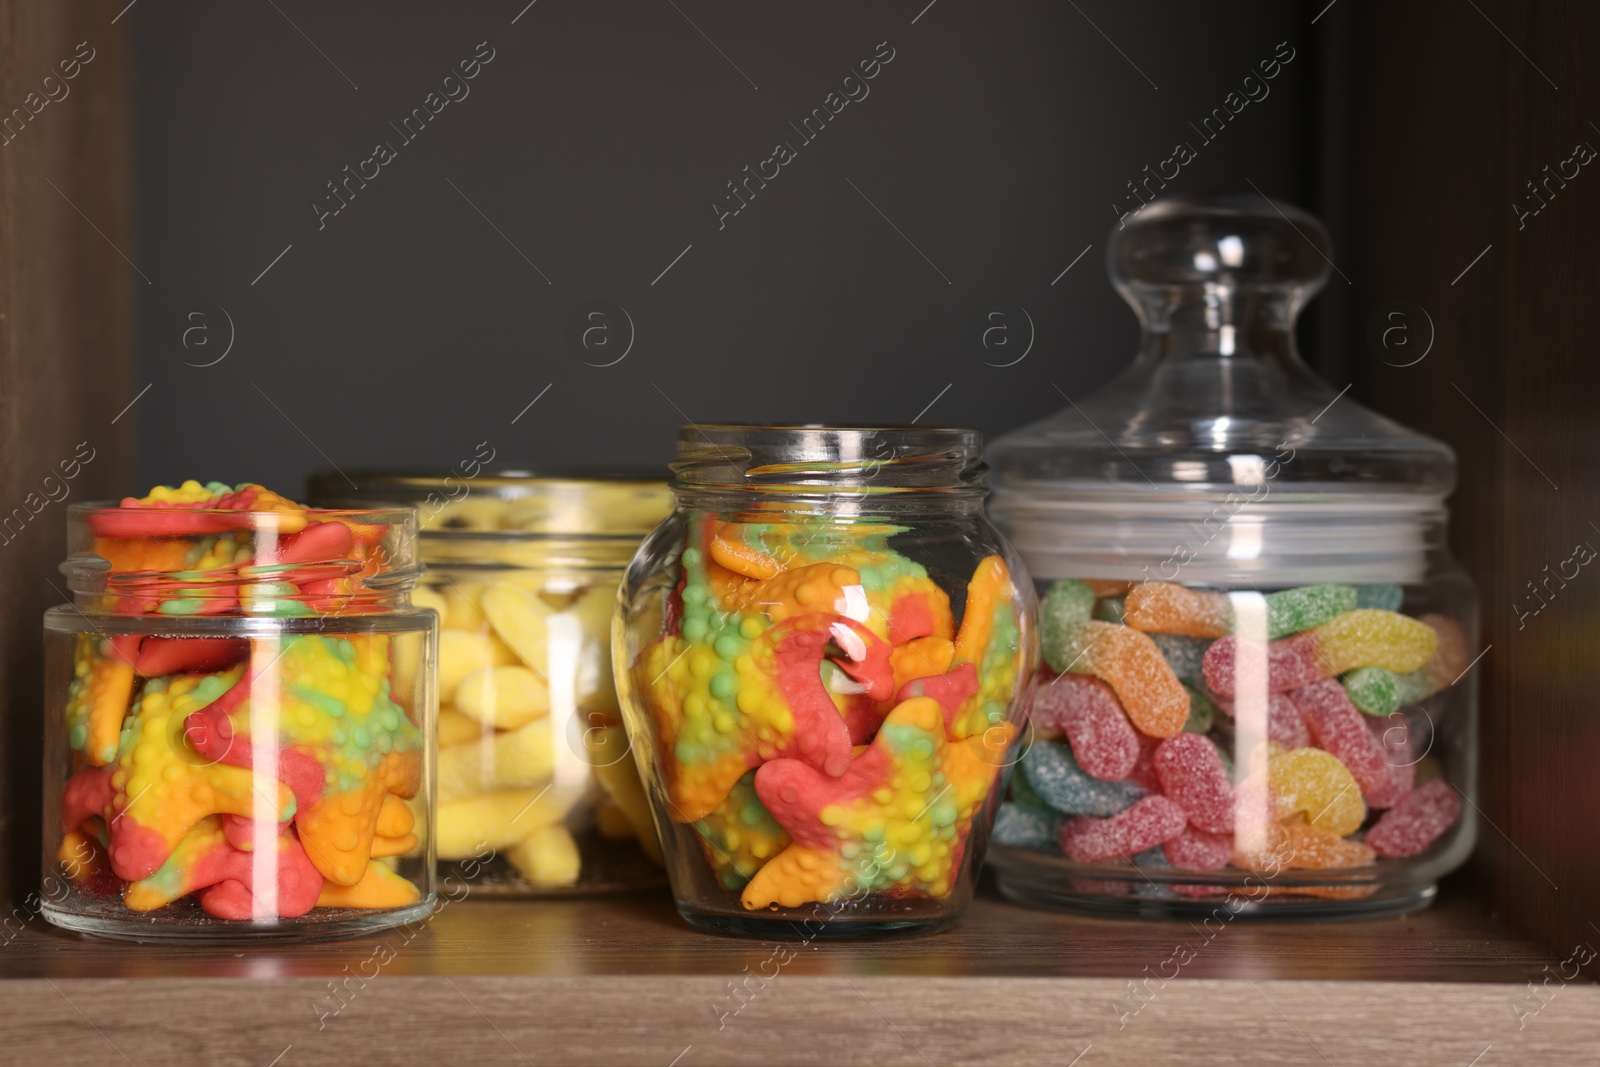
{"type": "Point", "coordinates": [623, 980]}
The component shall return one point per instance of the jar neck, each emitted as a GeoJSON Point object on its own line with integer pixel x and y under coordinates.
{"type": "Point", "coordinates": [1216, 320]}
{"type": "Point", "coordinates": [842, 472]}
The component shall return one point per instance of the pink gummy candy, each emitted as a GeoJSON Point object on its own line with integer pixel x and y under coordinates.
{"type": "Point", "coordinates": [1196, 850]}
{"type": "Point", "coordinates": [1192, 776]}
{"type": "Point", "coordinates": [1284, 723]}
{"type": "Point", "coordinates": [1399, 750]}
{"type": "Point", "coordinates": [1152, 821]}
{"type": "Point", "coordinates": [1291, 663]}
{"type": "Point", "coordinates": [1104, 742]}
{"type": "Point", "coordinates": [1338, 728]}
{"type": "Point", "coordinates": [1416, 821]}
{"type": "Point", "coordinates": [299, 883]}
{"type": "Point", "coordinates": [1144, 768]}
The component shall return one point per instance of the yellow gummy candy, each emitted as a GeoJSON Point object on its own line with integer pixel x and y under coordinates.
{"type": "Point", "coordinates": [547, 857]}
{"type": "Point", "coordinates": [508, 760]}
{"type": "Point", "coordinates": [1370, 637]}
{"type": "Point", "coordinates": [518, 617]}
{"type": "Point", "coordinates": [496, 820]}
{"type": "Point", "coordinates": [378, 887]}
{"type": "Point", "coordinates": [503, 697]}
{"type": "Point", "coordinates": [1316, 784]}
{"type": "Point", "coordinates": [458, 729]}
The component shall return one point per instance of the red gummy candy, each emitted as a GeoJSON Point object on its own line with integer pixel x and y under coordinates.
{"type": "Point", "coordinates": [1192, 776]}
{"type": "Point", "coordinates": [211, 733]}
{"type": "Point", "coordinates": [1338, 727]}
{"type": "Point", "coordinates": [1416, 821]}
{"type": "Point", "coordinates": [319, 541]}
{"type": "Point", "coordinates": [299, 883]}
{"type": "Point", "coordinates": [88, 792]}
{"type": "Point", "coordinates": [911, 618]}
{"type": "Point", "coordinates": [1144, 768]}
{"type": "Point", "coordinates": [795, 793]}
{"type": "Point", "coordinates": [1104, 742]}
{"type": "Point", "coordinates": [1150, 822]}
{"type": "Point", "coordinates": [950, 689]}
{"type": "Point", "coordinates": [821, 737]}
{"type": "Point", "coordinates": [1399, 750]}
{"type": "Point", "coordinates": [199, 655]}
{"type": "Point", "coordinates": [1291, 663]}
{"type": "Point", "coordinates": [1196, 850]}
{"type": "Point", "coordinates": [1284, 722]}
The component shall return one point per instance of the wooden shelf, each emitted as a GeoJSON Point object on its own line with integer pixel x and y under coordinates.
{"type": "Point", "coordinates": [623, 980]}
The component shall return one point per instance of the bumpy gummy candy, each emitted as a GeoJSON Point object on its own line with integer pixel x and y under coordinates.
{"type": "Point", "coordinates": [1323, 772]}
{"type": "Point", "coordinates": [172, 737]}
{"type": "Point", "coordinates": [819, 718]}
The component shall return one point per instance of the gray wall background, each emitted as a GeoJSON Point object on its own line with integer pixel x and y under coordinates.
{"type": "Point", "coordinates": [426, 315]}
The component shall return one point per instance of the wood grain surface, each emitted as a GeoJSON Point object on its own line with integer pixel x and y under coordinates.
{"type": "Point", "coordinates": [1452, 110]}
{"type": "Point", "coordinates": [64, 328]}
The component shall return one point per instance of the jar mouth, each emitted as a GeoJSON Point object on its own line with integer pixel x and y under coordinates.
{"type": "Point", "coordinates": [106, 518]}
{"type": "Point", "coordinates": [810, 460]}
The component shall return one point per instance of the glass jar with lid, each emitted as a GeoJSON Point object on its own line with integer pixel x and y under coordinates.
{"type": "Point", "coordinates": [1256, 684]}
{"type": "Point", "coordinates": [238, 702]}
{"type": "Point", "coordinates": [820, 653]}
{"type": "Point", "coordinates": [537, 793]}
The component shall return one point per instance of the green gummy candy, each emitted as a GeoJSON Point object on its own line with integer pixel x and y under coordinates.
{"type": "Point", "coordinates": [1291, 610]}
{"type": "Point", "coordinates": [1062, 613]}
{"type": "Point", "coordinates": [1381, 692]}
{"type": "Point", "coordinates": [1382, 597]}
{"type": "Point", "coordinates": [1202, 712]}
{"type": "Point", "coordinates": [1109, 609]}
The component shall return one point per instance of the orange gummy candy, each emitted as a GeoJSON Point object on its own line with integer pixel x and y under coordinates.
{"type": "Point", "coordinates": [1168, 608]}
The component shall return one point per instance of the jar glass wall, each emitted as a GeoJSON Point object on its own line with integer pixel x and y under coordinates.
{"type": "Point", "coordinates": [238, 704]}
{"type": "Point", "coordinates": [820, 654]}
{"type": "Point", "coordinates": [537, 795]}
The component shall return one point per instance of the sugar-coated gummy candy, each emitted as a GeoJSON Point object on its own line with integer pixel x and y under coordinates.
{"type": "Point", "coordinates": [1107, 587]}
{"type": "Point", "coordinates": [1197, 850]}
{"type": "Point", "coordinates": [1184, 655]}
{"type": "Point", "coordinates": [1143, 774]}
{"type": "Point", "coordinates": [547, 857]}
{"type": "Point", "coordinates": [1066, 606]}
{"type": "Point", "coordinates": [1103, 742]}
{"type": "Point", "coordinates": [1381, 692]}
{"type": "Point", "coordinates": [1316, 785]}
{"type": "Point", "coordinates": [1056, 777]}
{"type": "Point", "coordinates": [1202, 711]}
{"type": "Point", "coordinates": [1382, 597]}
{"type": "Point", "coordinates": [1291, 610]}
{"type": "Point", "coordinates": [1152, 821]}
{"type": "Point", "coordinates": [1417, 821]}
{"type": "Point", "coordinates": [1291, 663]}
{"type": "Point", "coordinates": [1337, 727]}
{"type": "Point", "coordinates": [1367, 637]}
{"type": "Point", "coordinates": [1022, 827]}
{"type": "Point", "coordinates": [495, 819]}
{"type": "Point", "coordinates": [1451, 658]}
{"type": "Point", "coordinates": [1399, 750]}
{"type": "Point", "coordinates": [1131, 664]}
{"type": "Point", "coordinates": [1192, 776]}
{"type": "Point", "coordinates": [503, 697]}
{"type": "Point", "coordinates": [1302, 846]}
{"type": "Point", "coordinates": [1169, 608]}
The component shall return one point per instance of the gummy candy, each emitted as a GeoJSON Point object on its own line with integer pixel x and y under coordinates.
{"type": "Point", "coordinates": [1416, 821]}
{"type": "Point", "coordinates": [1184, 655]}
{"type": "Point", "coordinates": [1192, 775]}
{"type": "Point", "coordinates": [1131, 664]}
{"type": "Point", "coordinates": [1163, 607]}
{"type": "Point", "coordinates": [1154, 820]}
{"type": "Point", "coordinates": [1023, 827]}
{"type": "Point", "coordinates": [1340, 729]}
{"type": "Point", "coordinates": [1291, 663]}
{"type": "Point", "coordinates": [1313, 783]}
{"type": "Point", "coordinates": [1086, 710]}
{"type": "Point", "coordinates": [1368, 637]}
{"type": "Point", "coordinates": [1197, 850]}
{"type": "Point", "coordinates": [1056, 777]}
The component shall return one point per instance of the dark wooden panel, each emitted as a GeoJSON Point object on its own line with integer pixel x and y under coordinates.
{"type": "Point", "coordinates": [1452, 107]}
{"type": "Point", "coordinates": [64, 300]}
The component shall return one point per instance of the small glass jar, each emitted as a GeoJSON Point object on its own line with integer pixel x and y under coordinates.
{"type": "Point", "coordinates": [820, 654]}
{"type": "Point", "coordinates": [225, 679]}
{"type": "Point", "coordinates": [1257, 689]}
{"type": "Point", "coordinates": [537, 795]}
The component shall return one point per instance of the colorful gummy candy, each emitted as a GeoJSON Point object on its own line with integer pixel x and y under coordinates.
{"type": "Point", "coordinates": [819, 718]}
{"type": "Point", "coordinates": [1329, 684]}
{"type": "Point", "coordinates": [186, 750]}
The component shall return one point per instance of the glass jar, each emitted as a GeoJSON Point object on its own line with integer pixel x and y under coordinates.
{"type": "Point", "coordinates": [1256, 686]}
{"type": "Point", "coordinates": [819, 655]}
{"type": "Point", "coordinates": [235, 670]}
{"type": "Point", "coordinates": [537, 795]}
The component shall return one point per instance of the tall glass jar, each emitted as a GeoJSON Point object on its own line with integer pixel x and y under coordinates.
{"type": "Point", "coordinates": [537, 795]}
{"type": "Point", "coordinates": [238, 701]}
{"type": "Point", "coordinates": [819, 655]}
{"type": "Point", "coordinates": [1257, 689]}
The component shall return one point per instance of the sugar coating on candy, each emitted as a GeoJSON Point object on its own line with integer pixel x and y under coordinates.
{"type": "Point", "coordinates": [1417, 821]}
{"type": "Point", "coordinates": [1143, 774]}
{"type": "Point", "coordinates": [1381, 597]}
{"type": "Point", "coordinates": [1197, 850]}
{"type": "Point", "coordinates": [1316, 785]}
{"type": "Point", "coordinates": [1130, 663]}
{"type": "Point", "coordinates": [1152, 821]}
{"type": "Point", "coordinates": [1292, 610]}
{"type": "Point", "coordinates": [1058, 780]}
{"type": "Point", "coordinates": [1339, 728]}
{"type": "Point", "coordinates": [1291, 663]}
{"type": "Point", "coordinates": [1302, 846]}
{"type": "Point", "coordinates": [1066, 606]}
{"type": "Point", "coordinates": [1185, 655]}
{"type": "Point", "coordinates": [1192, 775]}
{"type": "Point", "coordinates": [1381, 692]}
{"type": "Point", "coordinates": [1165, 607]}
{"type": "Point", "coordinates": [1451, 658]}
{"type": "Point", "coordinates": [1085, 709]}
{"type": "Point", "coordinates": [1368, 637]}
{"type": "Point", "coordinates": [1399, 750]}
{"type": "Point", "coordinates": [1022, 827]}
